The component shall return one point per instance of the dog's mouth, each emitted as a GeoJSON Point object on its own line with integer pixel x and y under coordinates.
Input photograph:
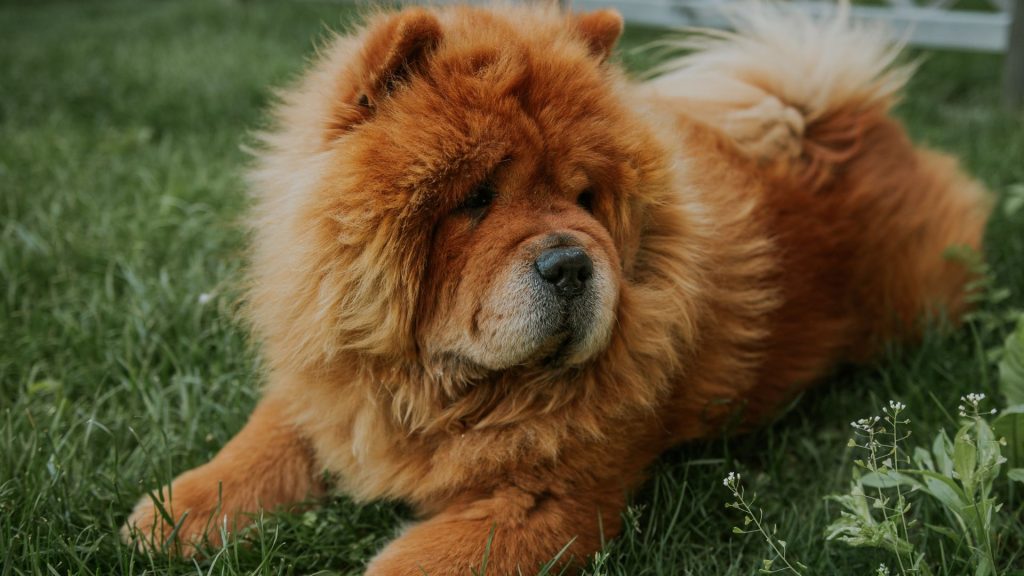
{"type": "Point", "coordinates": [571, 327]}
{"type": "Point", "coordinates": [529, 320]}
{"type": "Point", "coordinates": [558, 352]}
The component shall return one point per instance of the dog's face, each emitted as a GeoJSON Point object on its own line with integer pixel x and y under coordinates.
{"type": "Point", "coordinates": [483, 186]}
{"type": "Point", "coordinates": [508, 166]}
{"type": "Point", "coordinates": [521, 268]}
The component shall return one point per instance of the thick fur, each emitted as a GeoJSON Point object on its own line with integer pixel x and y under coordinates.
{"type": "Point", "coordinates": [753, 216]}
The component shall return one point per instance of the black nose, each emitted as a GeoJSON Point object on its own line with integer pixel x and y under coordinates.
{"type": "Point", "coordinates": [567, 268]}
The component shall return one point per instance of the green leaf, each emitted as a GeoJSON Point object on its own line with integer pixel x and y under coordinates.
{"type": "Point", "coordinates": [945, 531]}
{"type": "Point", "coordinates": [1013, 205]}
{"type": "Point", "coordinates": [1016, 474]}
{"type": "Point", "coordinates": [44, 386]}
{"type": "Point", "coordinates": [965, 458]}
{"type": "Point", "coordinates": [943, 489]}
{"type": "Point", "coordinates": [888, 479]}
{"type": "Point", "coordinates": [942, 448]}
{"type": "Point", "coordinates": [1011, 368]}
{"type": "Point", "coordinates": [989, 457]}
{"type": "Point", "coordinates": [1010, 426]}
{"type": "Point", "coordinates": [1014, 200]}
{"type": "Point", "coordinates": [984, 568]}
{"type": "Point", "coordinates": [923, 459]}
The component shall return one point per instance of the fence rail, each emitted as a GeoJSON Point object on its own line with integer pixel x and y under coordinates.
{"type": "Point", "coordinates": [933, 25]}
{"type": "Point", "coordinates": [988, 26]}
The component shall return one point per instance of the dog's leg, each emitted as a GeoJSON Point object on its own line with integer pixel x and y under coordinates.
{"type": "Point", "coordinates": [265, 466]}
{"type": "Point", "coordinates": [511, 531]}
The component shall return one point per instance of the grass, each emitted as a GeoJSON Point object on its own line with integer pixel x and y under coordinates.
{"type": "Point", "coordinates": [122, 128]}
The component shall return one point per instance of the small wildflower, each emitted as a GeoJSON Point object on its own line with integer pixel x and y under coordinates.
{"type": "Point", "coordinates": [897, 406]}
{"type": "Point", "coordinates": [731, 480]}
{"type": "Point", "coordinates": [883, 570]}
{"type": "Point", "coordinates": [866, 424]}
{"type": "Point", "coordinates": [204, 298]}
{"type": "Point", "coordinates": [970, 406]}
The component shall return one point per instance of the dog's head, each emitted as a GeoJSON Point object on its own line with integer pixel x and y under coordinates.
{"type": "Point", "coordinates": [463, 189]}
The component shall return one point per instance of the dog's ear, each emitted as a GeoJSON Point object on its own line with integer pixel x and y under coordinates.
{"type": "Point", "coordinates": [601, 29]}
{"type": "Point", "coordinates": [395, 48]}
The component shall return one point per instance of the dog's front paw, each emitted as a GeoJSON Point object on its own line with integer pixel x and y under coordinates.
{"type": "Point", "coordinates": [182, 518]}
{"type": "Point", "coordinates": [767, 131]}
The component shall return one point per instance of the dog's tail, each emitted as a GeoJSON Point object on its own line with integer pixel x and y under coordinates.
{"type": "Point", "coordinates": [833, 77]}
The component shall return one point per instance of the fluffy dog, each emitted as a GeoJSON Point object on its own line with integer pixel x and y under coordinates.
{"type": "Point", "coordinates": [494, 278]}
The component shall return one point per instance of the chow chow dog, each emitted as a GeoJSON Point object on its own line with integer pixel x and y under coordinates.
{"type": "Point", "coordinates": [495, 278]}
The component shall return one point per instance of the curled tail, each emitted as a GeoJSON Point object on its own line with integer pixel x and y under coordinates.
{"type": "Point", "coordinates": [789, 86]}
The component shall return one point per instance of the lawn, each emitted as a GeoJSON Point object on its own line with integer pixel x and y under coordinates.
{"type": "Point", "coordinates": [123, 129]}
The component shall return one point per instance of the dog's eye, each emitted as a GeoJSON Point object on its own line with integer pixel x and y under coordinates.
{"type": "Point", "coordinates": [586, 200]}
{"type": "Point", "coordinates": [480, 199]}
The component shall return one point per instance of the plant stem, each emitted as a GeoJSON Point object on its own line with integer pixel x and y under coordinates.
{"type": "Point", "coordinates": [756, 519]}
{"type": "Point", "coordinates": [899, 493]}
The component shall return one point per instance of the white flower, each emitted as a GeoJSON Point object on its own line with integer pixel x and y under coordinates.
{"type": "Point", "coordinates": [883, 570]}
{"type": "Point", "coordinates": [970, 403]}
{"type": "Point", "coordinates": [865, 424]}
{"type": "Point", "coordinates": [731, 480]}
{"type": "Point", "coordinates": [896, 406]}
{"type": "Point", "coordinates": [205, 297]}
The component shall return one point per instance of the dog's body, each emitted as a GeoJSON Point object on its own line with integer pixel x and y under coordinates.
{"type": "Point", "coordinates": [495, 279]}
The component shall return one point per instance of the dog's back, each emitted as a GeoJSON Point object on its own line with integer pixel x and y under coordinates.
{"type": "Point", "coordinates": [859, 217]}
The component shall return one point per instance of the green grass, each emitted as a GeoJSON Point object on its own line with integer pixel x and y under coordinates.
{"type": "Point", "coordinates": [122, 129]}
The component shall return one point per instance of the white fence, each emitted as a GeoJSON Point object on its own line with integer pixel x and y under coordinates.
{"type": "Point", "coordinates": [931, 23]}
{"type": "Point", "coordinates": [988, 25]}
